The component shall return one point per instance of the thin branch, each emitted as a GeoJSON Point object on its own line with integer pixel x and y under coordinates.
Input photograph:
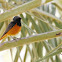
{"type": "Point", "coordinates": [30, 39]}
{"type": "Point", "coordinates": [2, 1]}
{"type": "Point", "coordinates": [51, 53]}
{"type": "Point", "coordinates": [48, 1]}
{"type": "Point", "coordinates": [2, 29]}
{"type": "Point", "coordinates": [54, 3]}
{"type": "Point", "coordinates": [19, 9]}
{"type": "Point", "coordinates": [40, 12]}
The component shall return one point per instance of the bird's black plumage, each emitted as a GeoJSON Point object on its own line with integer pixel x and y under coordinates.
{"type": "Point", "coordinates": [17, 20]}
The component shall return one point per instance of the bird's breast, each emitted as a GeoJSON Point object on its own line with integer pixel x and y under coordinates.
{"type": "Point", "coordinates": [14, 30]}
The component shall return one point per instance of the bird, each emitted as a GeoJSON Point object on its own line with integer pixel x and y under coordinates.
{"type": "Point", "coordinates": [13, 28]}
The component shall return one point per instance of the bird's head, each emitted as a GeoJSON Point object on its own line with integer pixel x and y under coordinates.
{"type": "Point", "coordinates": [16, 19]}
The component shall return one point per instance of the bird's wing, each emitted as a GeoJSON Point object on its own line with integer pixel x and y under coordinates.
{"type": "Point", "coordinates": [9, 27]}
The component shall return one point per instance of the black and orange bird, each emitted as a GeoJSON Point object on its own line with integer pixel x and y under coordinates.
{"type": "Point", "coordinates": [13, 28]}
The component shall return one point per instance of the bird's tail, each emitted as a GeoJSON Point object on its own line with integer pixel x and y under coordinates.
{"type": "Point", "coordinates": [4, 36]}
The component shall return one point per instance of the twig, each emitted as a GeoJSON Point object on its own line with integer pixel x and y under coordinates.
{"type": "Point", "coordinates": [30, 39]}
{"type": "Point", "coordinates": [19, 9]}
{"type": "Point", "coordinates": [40, 12]}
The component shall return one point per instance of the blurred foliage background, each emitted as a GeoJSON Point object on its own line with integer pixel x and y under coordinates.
{"type": "Point", "coordinates": [45, 18]}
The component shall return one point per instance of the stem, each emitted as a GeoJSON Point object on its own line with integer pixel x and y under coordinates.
{"type": "Point", "coordinates": [48, 1]}
{"type": "Point", "coordinates": [19, 9]}
{"type": "Point", "coordinates": [40, 12]}
{"type": "Point", "coordinates": [57, 6]}
{"type": "Point", "coordinates": [2, 29]}
{"type": "Point", "coordinates": [30, 39]}
{"type": "Point", "coordinates": [55, 52]}
{"type": "Point", "coordinates": [2, 1]}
